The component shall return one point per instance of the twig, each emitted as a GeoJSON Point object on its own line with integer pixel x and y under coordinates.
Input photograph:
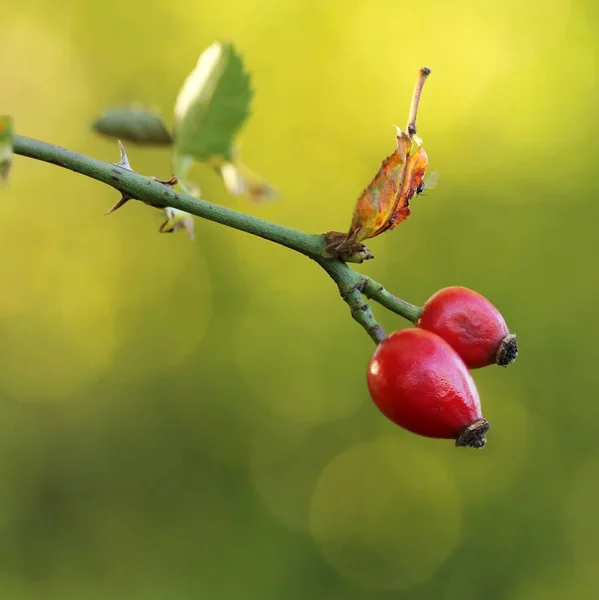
{"type": "Point", "coordinates": [352, 286]}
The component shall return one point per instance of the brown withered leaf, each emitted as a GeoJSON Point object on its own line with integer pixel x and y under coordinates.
{"type": "Point", "coordinates": [386, 201]}
{"type": "Point", "coordinates": [353, 252]}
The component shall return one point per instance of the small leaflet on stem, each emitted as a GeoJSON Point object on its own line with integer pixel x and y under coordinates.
{"type": "Point", "coordinates": [385, 203]}
{"type": "Point", "coordinates": [177, 219]}
{"type": "Point", "coordinates": [136, 124]}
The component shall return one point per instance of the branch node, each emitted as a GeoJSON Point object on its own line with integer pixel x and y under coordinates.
{"type": "Point", "coordinates": [372, 288]}
{"type": "Point", "coordinates": [355, 310]}
{"type": "Point", "coordinates": [358, 287]}
{"type": "Point", "coordinates": [362, 284]}
{"type": "Point", "coordinates": [339, 245]}
{"type": "Point", "coordinates": [173, 181]}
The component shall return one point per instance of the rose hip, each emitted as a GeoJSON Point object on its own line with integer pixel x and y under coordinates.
{"type": "Point", "coordinates": [419, 382]}
{"type": "Point", "coordinates": [473, 327]}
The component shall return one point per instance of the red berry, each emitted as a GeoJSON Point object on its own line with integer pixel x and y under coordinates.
{"type": "Point", "coordinates": [419, 382]}
{"type": "Point", "coordinates": [471, 325]}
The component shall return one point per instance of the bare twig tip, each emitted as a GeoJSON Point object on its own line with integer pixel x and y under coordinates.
{"type": "Point", "coordinates": [411, 126]}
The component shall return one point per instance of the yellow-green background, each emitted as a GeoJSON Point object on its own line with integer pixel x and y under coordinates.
{"type": "Point", "coordinates": [187, 420]}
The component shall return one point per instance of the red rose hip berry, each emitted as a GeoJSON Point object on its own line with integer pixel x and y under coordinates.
{"type": "Point", "coordinates": [471, 325]}
{"type": "Point", "coordinates": [419, 382]}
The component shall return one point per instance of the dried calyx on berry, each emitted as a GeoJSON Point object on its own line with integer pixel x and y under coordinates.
{"type": "Point", "coordinates": [474, 328]}
{"type": "Point", "coordinates": [508, 350]}
{"type": "Point", "coordinates": [473, 435]}
{"type": "Point", "coordinates": [418, 381]}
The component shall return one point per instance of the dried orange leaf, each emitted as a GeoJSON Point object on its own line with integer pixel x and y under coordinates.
{"type": "Point", "coordinates": [386, 201]}
{"type": "Point", "coordinates": [412, 176]}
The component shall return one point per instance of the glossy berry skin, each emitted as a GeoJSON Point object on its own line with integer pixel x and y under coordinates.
{"type": "Point", "coordinates": [471, 325]}
{"type": "Point", "coordinates": [419, 382]}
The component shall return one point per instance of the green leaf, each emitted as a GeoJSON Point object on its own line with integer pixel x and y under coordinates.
{"type": "Point", "coordinates": [6, 145]}
{"type": "Point", "coordinates": [133, 124]}
{"type": "Point", "coordinates": [212, 105]}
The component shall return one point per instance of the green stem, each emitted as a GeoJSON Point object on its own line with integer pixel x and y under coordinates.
{"type": "Point", "coordinates": [352, 286]}
{"type": "Point", "coordinates": [157, 194]}
{"type": "Point", "coordinates": [362, 313]}
{"type": "Point", "coordinates": [378, 293]}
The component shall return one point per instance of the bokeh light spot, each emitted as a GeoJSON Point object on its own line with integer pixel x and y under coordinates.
{"type": "Point", "coordinates": [384, 518]}
{"type": "Point", "coordinates": [47, 95]}
{"type": "Point", "coordinates": [66, 340]}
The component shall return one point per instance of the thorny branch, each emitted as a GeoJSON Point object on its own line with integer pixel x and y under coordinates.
{"type": "Point", "coordinates": [353, 287]}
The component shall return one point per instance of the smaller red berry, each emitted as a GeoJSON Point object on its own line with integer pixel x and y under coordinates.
{"type": "Point", "coordinates": [471, 325]}
{"type": "Point", "coordinates": [418, 381]}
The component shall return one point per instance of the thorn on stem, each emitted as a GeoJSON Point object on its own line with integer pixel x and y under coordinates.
{"type": "Point", "coordinates": [124, 164]}
{"type": "Point", "coordinates": [124, 199]}
{"type": "Point", "coordinates": [124, 160]}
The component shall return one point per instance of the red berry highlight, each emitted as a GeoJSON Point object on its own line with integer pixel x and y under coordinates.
{"type": "Point", "coordinates": [419, 382]}
{"type": "Point", "coordinates": [473, 327]}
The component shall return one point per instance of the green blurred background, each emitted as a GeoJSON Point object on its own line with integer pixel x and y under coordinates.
{"type": "Point", "coordinates": [190, 419]}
